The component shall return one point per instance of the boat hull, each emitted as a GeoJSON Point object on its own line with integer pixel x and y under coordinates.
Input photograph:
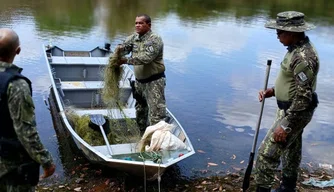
{"type": "Point", "coordinates": [140, 170]}
{"type": "Point", "coordinates": [75, 80]}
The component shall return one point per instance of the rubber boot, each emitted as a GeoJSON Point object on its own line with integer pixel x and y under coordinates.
{"type": "Point", "coordinates": [287, 185]}
{"type": "Point", "coordinates": [283, 188]}
{"type": "Point", "coordinates": [262, 189]}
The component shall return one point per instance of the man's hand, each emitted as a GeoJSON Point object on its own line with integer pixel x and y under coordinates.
{"type": "Point", "coordinates": [122, 61]}
{"type": "Point", "coordinates": [48, 171]}
{"type": "Point", "coordinates": [280, 135]}
{"type": "Point", "coordinates": [268, 93]}
{"type": "Point", "coordinates": [120, 47]}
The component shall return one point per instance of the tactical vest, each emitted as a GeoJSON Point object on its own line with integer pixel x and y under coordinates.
{"type": "Point", "coordinates": [10, 147]}
{"type": "Point", "coordinates": [8, 137]}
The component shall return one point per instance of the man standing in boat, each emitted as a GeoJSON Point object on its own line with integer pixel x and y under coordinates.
{"type": "Point", "coordinates": [296, 98]}
{"type": "Point", "coordinates": [147, 59]}
{"type": "Point", "coordinates": [21, 151]}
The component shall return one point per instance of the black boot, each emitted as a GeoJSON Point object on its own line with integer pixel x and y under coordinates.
{"type": "Point", "coordinates": [287, 185]}
{"type": "Point", "coordinates": [262, 189]}
{"type": "Point", "coordinates": [283, 188]}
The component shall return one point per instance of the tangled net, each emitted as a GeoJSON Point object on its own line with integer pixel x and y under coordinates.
{"type": "Point", "coordinates": [120, 130]}
{"type": "Point", "coordinates": [87, 133]}
{"type": "Point", "coordinates": [112, 75]}
{"type": "Point", "coordinates": [126, 129]}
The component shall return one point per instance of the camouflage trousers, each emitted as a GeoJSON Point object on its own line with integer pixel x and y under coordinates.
{"type": "Point", "coordinates": [150, 102]}
{"type": "Point", "coordinates": [290, 153]}
{"type": "Point", "coordinates": [6, 186]}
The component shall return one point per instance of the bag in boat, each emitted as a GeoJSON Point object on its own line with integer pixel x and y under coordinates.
{"type": "Point", "coordinates": [162, 138]}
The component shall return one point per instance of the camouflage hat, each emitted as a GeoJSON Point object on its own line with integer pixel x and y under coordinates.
{"type": "Point", "coordinates": [290, 21]}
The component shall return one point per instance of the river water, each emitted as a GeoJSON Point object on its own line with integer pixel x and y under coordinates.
{"type": "Point", "coordinates": [215, 54]}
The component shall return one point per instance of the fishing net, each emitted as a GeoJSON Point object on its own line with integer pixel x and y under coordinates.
{"type": "Point", "coordinates": [121, 129]}
{"type": "Point", "coordinates": [82, 126]}
{"type": "Point", "coordinates": [117, 130]}
{"type": "Point", "coordinates": [124, 129]}
{"type": "Point", "coordinates": [112, 75]}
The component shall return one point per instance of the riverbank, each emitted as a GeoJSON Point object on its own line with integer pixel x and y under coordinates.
{"type": "Point", "coordinates": [94, 178]}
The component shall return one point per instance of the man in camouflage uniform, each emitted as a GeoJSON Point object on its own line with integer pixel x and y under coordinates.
{"type": "Point", "coordinates": [296, 98]}
{"type": "Point", "coordinates": [149, 69]}
{"type": "Point", "coordinates": [21, 151]}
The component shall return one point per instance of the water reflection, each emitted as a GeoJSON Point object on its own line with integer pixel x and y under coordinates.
{"type": "Point", "coordinates": [62, 16]}
{"type": "Point", "coordinates": [214, 39]}
{"type": "Point", "coordinates": [215, 52]}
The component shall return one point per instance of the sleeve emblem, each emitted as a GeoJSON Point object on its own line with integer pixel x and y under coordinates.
{"type": "Point", "coordinates": [150, 49]}
{"type": "Point", "coordinates": [302, 76]}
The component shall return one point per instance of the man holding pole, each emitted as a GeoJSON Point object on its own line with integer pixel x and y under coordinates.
{"type": "Point", "coordinates": [296, 98]}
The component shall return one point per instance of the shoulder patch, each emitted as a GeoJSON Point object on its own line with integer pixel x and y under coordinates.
{"type": "Point", "coordinates": [302, 76]}
{"type": "Point", "coordinates": [150, 49]}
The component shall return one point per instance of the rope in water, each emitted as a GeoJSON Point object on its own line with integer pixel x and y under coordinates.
{"type": "Point", "coordinates": [156, 158]}
{"type": "Point", "coordinates": [159, 176]}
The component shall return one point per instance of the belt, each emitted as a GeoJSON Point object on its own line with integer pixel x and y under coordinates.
{"type": "Point", "coordinates": [152, 78]}
{"type": "Point", "coordinates": [285, 105]}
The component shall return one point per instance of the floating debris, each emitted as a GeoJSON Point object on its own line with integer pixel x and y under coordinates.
{"type": "Point", "coordinates": [325, 166]}
{"type": "Point", "coordinates": [240, 130]}
{"type": "Point", "coordinates": [200, 151]}
{"type": "Point", "coordinates": [212, 164]}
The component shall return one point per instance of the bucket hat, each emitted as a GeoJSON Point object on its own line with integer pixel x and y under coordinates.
{"type": "Point", "coordinates": [290, 21]}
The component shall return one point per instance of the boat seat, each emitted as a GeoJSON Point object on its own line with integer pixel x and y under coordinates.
{"type": "Point", "coordinates": [113, 113]}
{"type": "Point", "coordinates": [82, 68]}
{"type": "Point", "coordinates": [88, 93]}
{"type": "Point", "coordinates": [88, 85]}
{"type": "Point", "coordinates": [59, 60]}
{"type": "Point", "coordinates": [118, 149]}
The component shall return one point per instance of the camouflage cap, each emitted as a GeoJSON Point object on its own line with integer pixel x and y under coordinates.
{"type": "Point", "coordinates": [290, 21]}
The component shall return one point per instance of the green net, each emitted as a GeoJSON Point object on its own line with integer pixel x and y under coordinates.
{"type": "Point", "coordinates": [112, 75]}
{"type": "Point", "coordinates": [82, 127]}
{"type": "Point", "coordinates": [124, 129]}
{"type": "Point", "coordinates": [120, 129]}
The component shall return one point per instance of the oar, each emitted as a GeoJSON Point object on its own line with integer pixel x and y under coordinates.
{"type": "Point", "coordinates": [245, 184]}
{"type": "Point", "coordinates": [99, 120]}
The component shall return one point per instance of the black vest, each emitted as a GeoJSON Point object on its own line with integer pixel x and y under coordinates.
{"type": "Point", "coordinates": [10, 147]}
{"type": "Point", "coordinates": [7, 129]}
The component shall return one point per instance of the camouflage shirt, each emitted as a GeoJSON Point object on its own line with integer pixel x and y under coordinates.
{"type": "Point", "coordinates": [21, 109]}
{"type": "Point", "coordinates": [297, 78]}
{"type": "Point", "coordinates": [147, 54]}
